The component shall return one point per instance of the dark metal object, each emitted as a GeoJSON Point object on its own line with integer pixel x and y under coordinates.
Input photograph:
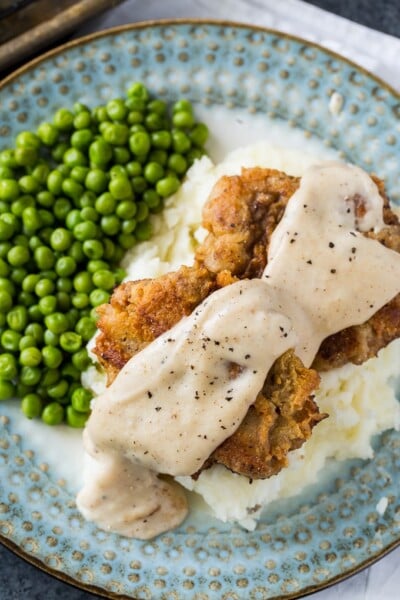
{"type": "Point", "coordinates": [27, 26]}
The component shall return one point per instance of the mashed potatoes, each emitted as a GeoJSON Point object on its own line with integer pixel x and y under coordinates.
{"type": "Point", "coordinates": [360, 400]}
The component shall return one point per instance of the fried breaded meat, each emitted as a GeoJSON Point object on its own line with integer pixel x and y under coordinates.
{"type": "Point", "coordinates": [240, 216]}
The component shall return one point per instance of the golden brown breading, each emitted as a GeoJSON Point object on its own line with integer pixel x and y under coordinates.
{"type": "Point", "coordinates": [279, 421]}
{"type": "Point", "coordinates": [140, 311]}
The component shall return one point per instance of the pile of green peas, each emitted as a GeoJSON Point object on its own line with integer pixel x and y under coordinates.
{"type": "Point", "coordinates": [74, 196]}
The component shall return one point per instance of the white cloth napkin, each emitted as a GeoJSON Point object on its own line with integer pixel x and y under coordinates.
{"type": "Point", "coordinates": [375, 51]}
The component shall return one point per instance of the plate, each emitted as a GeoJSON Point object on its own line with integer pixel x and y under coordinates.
{"type": "Point", "coordinates": [332, 531]}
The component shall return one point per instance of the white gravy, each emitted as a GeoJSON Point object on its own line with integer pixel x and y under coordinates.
{"type": "Point", "coordinates": [177, 400]}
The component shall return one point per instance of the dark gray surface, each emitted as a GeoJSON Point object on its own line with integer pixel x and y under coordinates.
{"type": "Point", "coordinates": [19, 580]}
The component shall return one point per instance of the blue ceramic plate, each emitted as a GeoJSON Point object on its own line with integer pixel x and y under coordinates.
{"type": "Point", "coordinates": [332, 531]}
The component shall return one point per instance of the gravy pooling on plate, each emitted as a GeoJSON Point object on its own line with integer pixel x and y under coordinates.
{"type": "Point", "coordinates": [178, 399]}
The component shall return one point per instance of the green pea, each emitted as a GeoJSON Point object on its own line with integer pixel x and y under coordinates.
{"type": "Point", "coordinates": [44, 287]}
{"type": "Point", "coordinates": [10, 340]}
{"type": "Point", "coordinates": [126, 209]}
{"type": "Point", "coordinates": [80, 400]}
{"type": "Point", "coordinates": [53, 414]}
{"type": "Point", "coordinates": [17, 256]}
{"type": "Point", "coordinates": [27, 139]}
{"type": "Point", "coordinates": [73, 218]}
{"type": "Point", "coordinates": [117, 171]}
{"type": "Point", "coordinates": [133, 168]}
{"type": "Point", "coordinates": [134, 117]}
{"type": "Point", "coordinates": [83, 119]}
{"type": "Point", "coordinates": [48, 134]}
{"type": "Point", "coordinates": [70, 341]}
{"type": "Point", "coordinates": [96, 265]}
{"type": "Point", "coordinates": [7, 159]}
{"type": "Point", "coordinates": [28, 184]}
{"type": "Point", "coordinates": [157, 106]}
{"type": "Point", "coordinates": [75, 418]}
{"type": "Point", "coordinates": [110, 225]}
{"type": "Point", "coordinates": [128, 225]}
{"type": "Point", "coordinates": [65, 266]}
{"type": "Point", "coordinates": [116, 109]}
{"type": "Point", "coordinates": [167, 186]}
{"type": "Point", "coordinates": [105, 204]}
{"type": "Point", "coordinates": [159, 156]}
{"type": "Point", "coordinates": [78, 173]}
{"type": "Point", "coordinates": [86, 328]}
{"type": "Point", "coordinates": [6, 229]}
{"type": "Point", "coordinates": [142, 211]}
{"type": "Point", "coordinates": [152, 199]}
{"type": "Point", "coordinates": [182, 105]}
{"type": "Point", "coordinates": [161, 139]}
{"type": "Point", "coordinates": [6, 172]}
{"type": "Point", "coordinates": [139, 143]}
{"type": "Point", "coordinates": [139, 184]}
{"type": "Point", "coordinates": [48, 304]}
{"type": "Point", "coordinates": [44, 257]}
{"type": "Point", "coordinates": [98, 297]}
{"type": "Point", "coordinates": [63, 119]}
{"type": "Point", "coordinates": [88, 198]}
{"type": "Point", "coordinates": [73, 189]}
{"type": "Point", "coordinates": [45, 198]}
{"type": "Point", "coordinates": [183, 119]}
{"type": "Point", "coordinates": [26, 341]}
{"type": "Point", "coordinates": [199, 134]}
{"type": "Point", "coordinates": [52, 356]}
{"type": "Point", "coordinates": [73, 374]}
{"type": "Point", "coordinates": [26, 157]}
{"type": "Point", "coordinates": [120, 188]}
{"type": "Point", "coordinates": [18, 274]}
{"type": "Point", "coordinates": [81, 139]}
{"type": "Point", "coordinates": [104, 279]}
{"type": "Point", "coordinates": [9, 189]}
{"type": "Point", "coordinates": [30, 357]}
{"type": "Point", "coordinates": [34, 313]}
{"type": "Point", "coordinates": [76, 252]}
{"type": "Point", "coordinates": [180, 142]}
{"type": "Point", "coordinates": [56, 323]}
{"type": "Point", "coordinates": [121, 155]}
{"type": "Point", "coordinates": [17, 318]}
{"type": "Point", "coordinates": [100, 152]}
{"type": "Point", "coordinates": [93, 249]}
{"type": "Point", "coordinates": [50, 338]}
{"type": "Point", "coordinates": [178, 163]}
{"type": "Point", "coordinates": [7, 389]}
{"type": "Point", "coordinates": [89, 214]}
{"type": "Point", "coordinates": [81, 359]}
{"type": "Point", "coordinates": [61, 239]}
{"type": "Point", "coordinates": [82, 282]}
{"type": "Point", "coordinates": [8, 366]}
{"type": "Point", "coordinates": [36, 331]}
{"type": "Point", "coordinates": [143, 231]}
{"type": "Point", "coordinates": [30, 376]}
{"type": "Point", "coordinates": [96, 180]}
{"type": "Point", "coordinates": [138, 90]}
{"type": "Point", "coordinates": [85, 230]}
{"type": "Point", "coordinates": [54, 182]}
{"type": "Point", "coordinates": [153, 172]}
{"type": "Point", "coordinates": [126, 240]}
{"type": "Point", "coordinates": [6, 301]}
{"type": "Point", "coordinates": [100, 114]}
{"type": "Point", "coordinates": [7, 286]}
{"type": "Point", "coordinates": [154, 122]}
{"type": "Point", "coordinates": [116, 134]}
{"type": "Point", "coordinates": [32, 406]}
{"type": "Point", "coordinates": [80, 300]}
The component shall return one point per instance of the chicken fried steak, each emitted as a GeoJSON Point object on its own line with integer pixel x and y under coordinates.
{"type": "Point", "coordinates": [240, 216]}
